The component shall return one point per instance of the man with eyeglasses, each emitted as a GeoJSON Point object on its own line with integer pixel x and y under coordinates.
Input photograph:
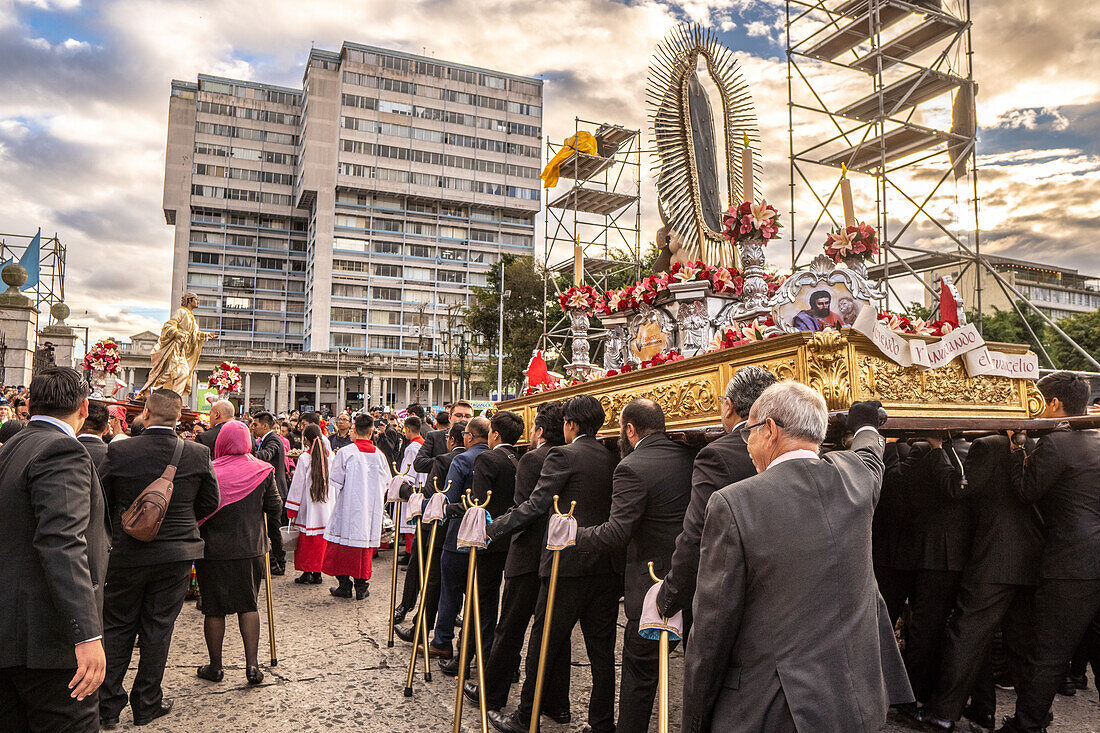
{"type": "Point", "coordinates": [725, 461]}
{"type": "Point", "coordinates": [797, 635]}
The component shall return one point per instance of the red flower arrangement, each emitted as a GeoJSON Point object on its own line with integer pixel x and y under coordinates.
{"type": "Point", "coordinates": [917, 326]}
{"type": "Point", "coordinates": [103, 357]}
{"type": "Point", "coordinates": [617, 301]}
{"type": "Point", "coordinates": [751, 220]}
{"type": "Point", "coordinates": [665, 357]}
{"type": "Point", "coordinates": [621, 370]}
{"type": "Point", "coordinates": [684, 272]}
{"type": "Point", "coordinates": [853, 241]}
{"type": "Point", "coordinates": [226, 378]}
{"type": "Point", "coordinates": [584, 296]}
{"type": "Point", "coordinates": [652, 287]}
{"type": "Point", "coordinates": [732, 337]}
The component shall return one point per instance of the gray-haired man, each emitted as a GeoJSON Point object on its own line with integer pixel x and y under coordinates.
{"type": "Point", "coordinates": [725, 461]}
{"type": "Point", "coordinates": [797, 635]}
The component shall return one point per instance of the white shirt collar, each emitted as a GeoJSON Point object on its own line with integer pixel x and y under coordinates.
{"type": "Point", "coordinates": [160, 427]}
{"type": "Point", "coordinates": [644, 439]}
{"type": "Point", "coordinates": [54, 421]}
{"type": "Point", "coordinates": [792, 455]}
{"type": "Point", "coordinates": [582, 435]}
{"type": "Point", "coordinates": [503, 445]}
{"type": "Point", "coordinates": [269, 432]}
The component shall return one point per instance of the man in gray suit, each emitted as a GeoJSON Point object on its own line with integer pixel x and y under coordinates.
{"type": "Point", "coordinates": [798, 637]}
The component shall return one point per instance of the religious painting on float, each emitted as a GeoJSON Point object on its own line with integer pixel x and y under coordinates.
{"type": "Point", "coordinates": [819, 306]}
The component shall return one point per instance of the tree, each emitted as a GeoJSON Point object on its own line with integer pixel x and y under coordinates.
{"type": "Point", "coordinates": [522, 317]}
{"type": "Point", "coordinates": [916, 309]}
{"type": "Point", "coordinates": [1007, 327]}
{"type": "Point", "coordinates": [1084, 328]}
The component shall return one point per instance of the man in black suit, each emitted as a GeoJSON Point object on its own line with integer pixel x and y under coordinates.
{"type": "Point", "coordinates": [998, 584]}
{"type": "Point", "coordinates": [271, 449]}
{"type": "Point", "coordinates": [521, 581]}
{"type": "Point", "coordinates": [589, 584]}
{"type": "Point", "coordinates": [92, 432]}
{"type": "Point", "coordinates": [221, 412]}
{"type": "Point", "coordinates": [1061, 477]}
{"type": "Point", "coordinates": [494, 471]}
{"type": "Point", "coordinates": [436, 478]}
{"type": "Point", "coordinates": [725, 461]}
{"type": "Point", "coordinates": [435, 441]}
{"type": "Point", "coordinates": [651, 489]}
{"type": "Point", "coordinates": [892, 553]}
{"type": "Point", "coordinates": [146, 581]}
{"type": "Point", "coordinates": [54, 548]}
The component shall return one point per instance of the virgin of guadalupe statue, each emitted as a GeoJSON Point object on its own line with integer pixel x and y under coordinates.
{"type": "Point", "coordinates": [177, 352]}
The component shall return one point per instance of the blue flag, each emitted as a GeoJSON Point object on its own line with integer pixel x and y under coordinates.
{"type": "Point", "coordinates": [30, 260]}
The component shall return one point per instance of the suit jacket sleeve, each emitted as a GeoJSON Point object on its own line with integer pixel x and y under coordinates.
{"type": "Point", "coordinates": [273, 503]}
{"type": "Point", "coordinates": [981, 465]}
{"type": "Point", "coordinates": [555, 474]}
{"type": "Point", "coordinates": [209, 495]}
{"type": "Point", "coordinates": [60, 487]}
{"type": "Point", "coordinates": [868, 446]}
{"type": "Point", "coordinates": [423, 461]}
{"type": "Point", "coordinates": [718, 607]}
{"type": "Point", "coordinates": [484, 477]}
{"type": "Point", "coordinates": [628, 505]}
{"type": "Point", "coordinates": [1034, 475]}
{"type": "Point", "coordinates": [456, 478]}
{"type": "Point", "coordinates": [944, 476]}
{"type": "Point", "coordinates": [680, 581]}
{"type": "Point", "coordinates": [267, 451]}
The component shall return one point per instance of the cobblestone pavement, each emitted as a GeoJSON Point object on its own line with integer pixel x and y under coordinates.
{"type": "Point", "coordinates": [335, 673]}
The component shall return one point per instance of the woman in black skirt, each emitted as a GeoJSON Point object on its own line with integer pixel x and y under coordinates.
{"type": "Point", "coordinates": [233, 563]}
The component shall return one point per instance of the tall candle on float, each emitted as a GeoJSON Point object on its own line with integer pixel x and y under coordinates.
{"type": "Point", "coordinates": [746, 169]}
{"type": "Point", "coordinates": [846, 197]}
{"type": "Point", "coordinates": [578, 264]}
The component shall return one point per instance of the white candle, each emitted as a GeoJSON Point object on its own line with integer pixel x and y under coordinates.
{"type": "Point", "coordinates": [578, 265]}
{"type": "Point", "coordinates": [746, 170]}
{"type": "Point", "coordinates": [846, 196]}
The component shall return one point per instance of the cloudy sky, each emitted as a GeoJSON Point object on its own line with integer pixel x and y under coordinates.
{"type": "Point", "coordinates": [84, 90]}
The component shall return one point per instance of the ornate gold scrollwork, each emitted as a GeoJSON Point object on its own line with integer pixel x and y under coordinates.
{"type": "Point", "coordinates": [682, 399]}
{"type": "Point", "coordinates": [1034, 400]}
{"type": "Point", "coordinates": [827, 368]}
{"type": "Point", "coordinates": [784, 371]}
{"type": "Point", "coordinates": [886, 380]}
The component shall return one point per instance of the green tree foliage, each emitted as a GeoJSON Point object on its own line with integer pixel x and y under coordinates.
{"type": "Point", "coordinates": [1007, 327]}
{"type": "Point", "coordinates": [522, 318]}
{"type": "Point", "coordinates": [1084, 328]}
{"type": "Point", "coordinates": [916, 309]}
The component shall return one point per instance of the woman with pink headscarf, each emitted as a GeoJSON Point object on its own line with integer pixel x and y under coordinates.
{"type": "Point", "coordinates": [233, 562]}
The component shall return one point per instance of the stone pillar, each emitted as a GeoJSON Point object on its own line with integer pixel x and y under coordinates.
{"type": "Point", "coordinates": [341, 394]}
{"type": "Point", "coordinates": [292, 403]}
{"type": "Point", "coordinates": [431, 390]}
{"type": "Point", "coordinates": [317, 393]}
{"type": "Point", "coordinates": [408, 391]}
{"type": "Point", "coordinates": [247, 393]}
{"type": "Point", "coordinates": [17, 314]}
{"type": "Point", "coordinates": [270, 401]}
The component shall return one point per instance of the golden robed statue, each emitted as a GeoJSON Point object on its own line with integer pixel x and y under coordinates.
{"type": "Point", "coordinates": [177, 352]}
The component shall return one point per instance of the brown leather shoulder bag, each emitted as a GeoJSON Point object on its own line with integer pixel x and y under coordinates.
{"type": "Point", "coordinates": [143, 518]}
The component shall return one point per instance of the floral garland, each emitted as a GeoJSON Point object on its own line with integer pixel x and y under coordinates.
{"type": "Point", "coordinates": [617, 301]}
{"type": "Point", "coordinates": [731, 337]}
{"type": "Point", "coordinates": [854, 241]}
{"type": "Point", "coordinates": [226, 377]}
{"type": "Point", "coordinates": [751, 221]}
{"type": "Point", "coordinates": [916, 326]}
{"type": "Point", "coordinates": [103, 357]}
{"type": "Point", "coordinates": [665, 357]}
{"type": "Point", "coordinates": [584, 296]}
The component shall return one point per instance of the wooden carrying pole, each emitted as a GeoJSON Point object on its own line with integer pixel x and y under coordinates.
{"type": "Point", "coordinates": [662, 670]}
{"type": "Point", "coordinates": [541, 676]}
{"type": "Point", "coordinates": [420, 630]}
{"type": "Point", "coordinates": [270, 609]}
{"type": "Point", "coordinates": [471, 599]}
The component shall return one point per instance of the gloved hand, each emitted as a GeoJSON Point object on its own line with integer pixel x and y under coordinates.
{"type": "Point", "coordinates": [864, 414]}
{"type": "Point", "coordinates": [405, 491]}
{"type": "Point", "coordinates": [454, 510]}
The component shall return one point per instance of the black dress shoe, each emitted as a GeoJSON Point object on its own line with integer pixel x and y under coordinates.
{"type": "Point", "coordinates": [399, 614]}
{"type": "Point", "coordinates": [341, 591]}
{"type": "Point", "coordinates": [404, 633]}
{"type": "Point", "coordinates": [254, 675]}
{"type": "Point", "coordinates": [931, 722]}
{"type": "Point", "coordinates": [278, 569]}
{"type": "Point", "coordinates": [108, 723]}
{"type": "Point", "coordinates": [317, 579]}
{"type": "Point", "coordinates": [469, 689]}
{"type": "Point", "coordinates": [982, 720]}
{"type": "Point", "coordinates": [164, 708]}
{"type": "Point", "coordinates": [1009, 725]}
{"type": "Point", "coordinates": [1067, 687]}
{"type": "Point", "coordinates": [207, 672]}
{"type": "Point", "coordinates": [404, 560]}
{"type": "Point", "coordinates": [909, 712]}
{"type": "Point", "coordinates": [450, 667]}
{"type": "Point", "coordinates": [1080, 681]}
{"type": "Point", "coordinates": [304, 579]}
{"type": "Point", "coordinates": [513, 723]}
{"type": "Point", "coordinates": [561, 716]}
{"type": "Point", "coordinates": [362, 590]}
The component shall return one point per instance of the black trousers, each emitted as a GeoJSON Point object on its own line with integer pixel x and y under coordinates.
{"type": "Point", "coordinates": [593, 601]}
{"type": "Point", "coordinates": [274, 521]}
{"type": "Point", "coordinates": [517, 606]}
{"type": "Point", "coordinates": [638, 685]}
{"type": "Point", "coordinates": [490, 572]}
{"type": "Point", "coordinates": [38, 700]}
{"type": "Point", "coordinates": [1064, 611]}
{"type": "Point", "coordinates": [143, 600]}
{"type": "Point", "coordinates": [896, 586]}
{"type": "Point", "coordinates": [934, 593]}
{"type": "Point", "coordinates": [982, 609]}
{"type": "Point", "coordinates": [412, 580]}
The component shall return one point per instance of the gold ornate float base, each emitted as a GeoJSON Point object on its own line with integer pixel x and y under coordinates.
{"type": "Point", "coordinates": [842, 365]}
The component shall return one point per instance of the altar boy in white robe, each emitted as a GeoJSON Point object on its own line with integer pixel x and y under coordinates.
{"type": "Point", "coordinates": [412, 433]}
{"type": "Point", "coordinates": [358, 482]}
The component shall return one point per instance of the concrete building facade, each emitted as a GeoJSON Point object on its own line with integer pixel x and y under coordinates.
{"type": "Point", "coordinates": [356, 214]}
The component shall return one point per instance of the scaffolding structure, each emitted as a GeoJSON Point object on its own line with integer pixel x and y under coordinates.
{"type": "Point", "coordinates": [50, 287]}
{"type": "Point", "coordinates": [600, 212]}
{"type": "Point", "coordinates": [909, 57]}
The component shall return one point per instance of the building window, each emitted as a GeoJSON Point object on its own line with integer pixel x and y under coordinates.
{"type": "Point", "coordinates": [387, 270]}
{"type": "Point", "coordinates": [205, 258]}
{"type": "Point", "coordinates": [386, 293]}
{"type": "Point", "coordinates": [237, 303]}
{"type": "Point", "coordinates": [349, 315]}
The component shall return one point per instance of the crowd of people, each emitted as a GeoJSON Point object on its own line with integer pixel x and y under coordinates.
{"type": "Point", "coordinates": [814, 589]}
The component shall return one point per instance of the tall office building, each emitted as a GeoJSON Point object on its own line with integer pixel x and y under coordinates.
{"type": "Point", "coordinates": [350, 214]}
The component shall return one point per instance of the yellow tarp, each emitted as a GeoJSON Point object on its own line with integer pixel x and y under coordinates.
{"type": "Point", "coordinates": [583, 142]}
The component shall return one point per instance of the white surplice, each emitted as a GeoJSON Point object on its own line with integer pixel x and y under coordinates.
{"type": "Point", "coordinates": [412, 477]}
{"type": "Point", "coordinates": [313, 516]}
{"type": "Point", "coordinates": [357, 485]}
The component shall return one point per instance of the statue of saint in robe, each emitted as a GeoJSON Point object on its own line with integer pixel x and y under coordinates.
{"type": "Point", "coordinates": [177, 352]}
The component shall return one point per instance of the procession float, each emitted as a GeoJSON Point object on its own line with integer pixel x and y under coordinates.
{"type": "Point", "coordinates": [677, 336]}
